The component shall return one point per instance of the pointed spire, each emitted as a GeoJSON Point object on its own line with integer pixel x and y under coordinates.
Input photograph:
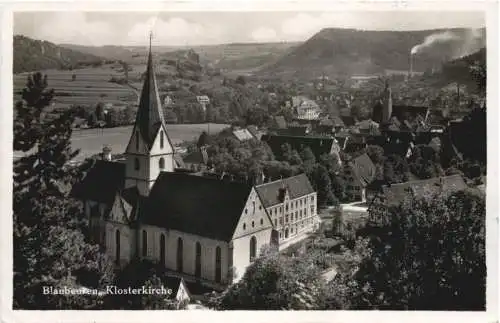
{"type": "Point", "coordinates": [149, 114]}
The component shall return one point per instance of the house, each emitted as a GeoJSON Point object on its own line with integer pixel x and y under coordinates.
{"type": "Point", "coordinates": [358, 174]}
{"type": "Point", "coordinates": [203, 229]}
{"type": "Point", "coordinates": [318, 145]}
{"type": "Point", "coordinates": [305, 108]}
{"type": "Point", "coordinates": [384, 110]}
{"type": "Point", "coordinates": [394, 194]}
{"type": "Point", "coordinates": [292, 206]}
{"type": "Point", "coordinates": [203, 100]}
{"type": "Point", "coordinates": [243, 134]}
{"type": "Point", "coordinates": [256, 133]}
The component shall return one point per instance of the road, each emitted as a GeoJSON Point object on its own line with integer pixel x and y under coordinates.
{"type": "Point", "coordinates": [91, 141]}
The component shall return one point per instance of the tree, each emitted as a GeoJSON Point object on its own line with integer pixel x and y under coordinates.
{"type": "Point", "coordinates": [275, 282]}
{"type": "Point", "coordinates": [376, 154]}
{"type": "Point", "coordinates": [321, 183]}
{"type": "Point", "coordinates": [428, 253]}
{"type": "Point", "coordinates": [49, 247]}
{"type": "Point", "coordinates": [241, 80]}
{"type": "Point", "coordinates": [203, 140]}
{"type": "Point", "coordinates": [99, 112]}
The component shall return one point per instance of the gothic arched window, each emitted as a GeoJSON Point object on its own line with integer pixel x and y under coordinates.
{"type": "Point", "coordinates": [162, 249]}
{"type": "Point", "coordinates": [180, 251]}
{"type": "Point", "coordinates": [162, 163]}
{"type": "Point", "coordinates": [198, 260]}
{"type": "Point", "coordinates": [161, 139]}
{"type": "Point", "coordinates": [253, 248]}
{"type": "Point", "coordinates": [117, 244]}
{"type": "Point", "coordinates": [144, 243]}
{"type": "Point", "coordinates": [218, 265]}
{"type": "Point", "coordinates": [137, 140]}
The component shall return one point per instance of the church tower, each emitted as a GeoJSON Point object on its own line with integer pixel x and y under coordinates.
{"type": "Point", "coordinates": [386, 103]}
{"type": "Point", "coordinates": [149, 150]}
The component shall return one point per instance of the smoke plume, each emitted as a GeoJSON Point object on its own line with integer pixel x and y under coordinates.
{"type": "Point", "coordinates": [463, 43]}
{"type": "Point", "coordinates": [434, 39]}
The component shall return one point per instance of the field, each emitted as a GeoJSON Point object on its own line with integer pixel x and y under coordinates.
{"type": "Point", "coordinates": [91, 86]}
{"type": "Point", "coordinates": [91, 141]}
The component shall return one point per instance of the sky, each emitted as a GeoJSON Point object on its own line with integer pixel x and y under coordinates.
{"type": "Point", "coordinates": [207, 28]}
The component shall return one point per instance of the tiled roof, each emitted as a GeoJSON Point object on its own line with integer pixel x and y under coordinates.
{"type": "Point", "coordinates": [242, 134]}
{"type": "Point", "coordinates": [396, 193]}
{"type": "Point", "coordinates": [101, 182]}
{"type": "Point", "coordinates": [296, 186]}
{"type": "Point", "coordinates": [198, 205]}
{"type": "Point", "coordinates": [318, 145]}
{"type": "Point", "coordinates": [363, 169]}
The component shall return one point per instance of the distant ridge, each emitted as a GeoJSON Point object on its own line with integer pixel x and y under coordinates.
{"type": "Point", "coordinates": [33, 55]}
{"type": "Point", "coordinates": [351, 51]}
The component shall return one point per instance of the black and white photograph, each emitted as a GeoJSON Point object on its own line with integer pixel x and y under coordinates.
{"type": "Point", "coordinates": [284, 160]}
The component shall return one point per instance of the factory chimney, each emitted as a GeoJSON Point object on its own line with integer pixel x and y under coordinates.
{"type": "Point", "coordinates": [387, 103]}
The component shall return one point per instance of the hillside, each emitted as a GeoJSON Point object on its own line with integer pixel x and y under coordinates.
{"type": "Point", "coordinates": [458, 70]}
{"type": "Point", "coordinates": [350, 51]}
{"type": "Point", "coordinates": [225, 56]}
{"type": "Point", "coordinates": [33, 55]}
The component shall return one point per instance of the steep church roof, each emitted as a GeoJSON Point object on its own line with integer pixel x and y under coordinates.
{"type": "Point", "coordinates": [149, 117]}
{"type": "Point", "coordinates": [198, 205]}
{"type": "Point", "coordinates": [101, 182]}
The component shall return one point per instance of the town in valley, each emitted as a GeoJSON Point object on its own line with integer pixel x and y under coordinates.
{"type": "Point", "coordinates": [342, 171]}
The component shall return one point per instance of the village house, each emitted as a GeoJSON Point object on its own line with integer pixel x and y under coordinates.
{"type": "Point", "coordinates": [318, 145]}
{"type": "Point", "coordinates": [358, 174]}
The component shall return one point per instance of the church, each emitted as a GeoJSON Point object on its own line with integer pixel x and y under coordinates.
{"type": "Point", "coordinates": [200, 228]}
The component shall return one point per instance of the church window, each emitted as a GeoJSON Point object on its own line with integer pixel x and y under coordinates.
{"type": "Point", "coordinates": [162, 163]}
{"type": "Point", "coordinates": [144, 243]}
{"type": "Point", "coordinates": [198, 260]}
{"type": "Point", "coordinates": [162, 249]}
{"type": "Point", "coordinates": [137, 140]}
{"type": "Point", "coordinates": [260, 207]}
{"type": "Point", "coordinates": [253, 204]}
{"type": "Point", "coordinates": [246, 211]}
{"type": "Point", "coordinates": [253, 224]}
{"type": "Point", "coordinates": [180, 251]}
{"type": "Point", "coordinates": [136, 164]}
{"type": "Point", "coordinates": [117, 242]}
{"type": "Point", "coordinates": [244, 226]}
{"type": "Point", "coordinates": [218, 265]}
{"type": "Point", "coordinates": [161, 139]}
{"type": "Point", "coordinates": [261, 221]}
{"type": "Point", "coordinates": [253, 248]}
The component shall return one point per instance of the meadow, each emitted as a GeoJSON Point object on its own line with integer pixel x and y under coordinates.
{"type": "Point", "coordinates": [90, 86]}
{"type": "Point", "coordinates": [91, 141]}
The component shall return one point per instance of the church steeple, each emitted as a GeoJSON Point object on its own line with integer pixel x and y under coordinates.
{"type": "Point", "coordinates": [149, 114]}
{"type": "Point", "coordinates": [150, 150]}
